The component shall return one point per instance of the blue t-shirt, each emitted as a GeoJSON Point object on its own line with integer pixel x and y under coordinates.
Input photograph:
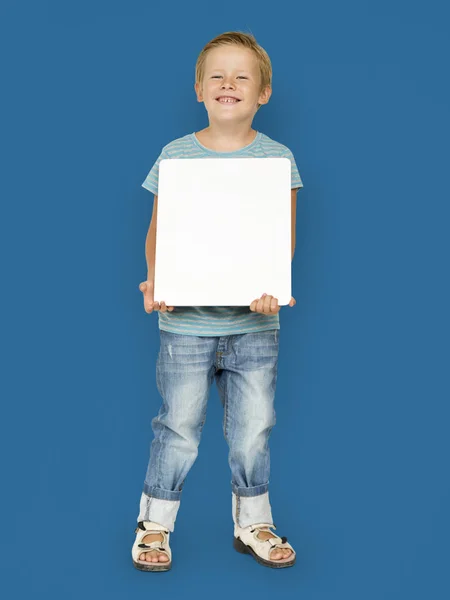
{"type": "Point", "coordinates": [218, 320]}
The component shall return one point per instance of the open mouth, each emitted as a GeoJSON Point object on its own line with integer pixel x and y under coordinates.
{"type": "Point", "coordinates": [227, 100]}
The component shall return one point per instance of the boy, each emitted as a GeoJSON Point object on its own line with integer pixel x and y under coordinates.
{"type": "Point", "coordinates": [236, 346]}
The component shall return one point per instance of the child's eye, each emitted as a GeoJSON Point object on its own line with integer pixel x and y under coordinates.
{"type": "Point", "coordinates": [239, 76]}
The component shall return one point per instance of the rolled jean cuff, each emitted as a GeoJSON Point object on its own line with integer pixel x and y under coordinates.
{"type": "Point", "coordinates": [249, 510]}
{"type": "Point", "coordinates": [257, 490]}
{"type": "Point", "coordinates": [155, 492]}
{"type": "Point", "coordinates": [157, 510]}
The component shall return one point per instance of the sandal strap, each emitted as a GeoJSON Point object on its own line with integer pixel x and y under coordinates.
{"type": "Point", "coordinates": [267, 527]}
{"type": "Point", "coordinates": [156, 545]}
{"type": "Point", "coordinates": [142, 534]}
{"type": "Point", "coordinates": [150, 526]}
{"type": "Point", "coordinates": [282, 541]}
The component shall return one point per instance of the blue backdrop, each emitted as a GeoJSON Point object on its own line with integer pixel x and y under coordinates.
{"type": "Point", "coordinates": [92, 91]}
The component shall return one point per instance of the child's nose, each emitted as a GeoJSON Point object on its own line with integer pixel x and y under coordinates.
{"type": "Point", "coordinates": [227, 84]}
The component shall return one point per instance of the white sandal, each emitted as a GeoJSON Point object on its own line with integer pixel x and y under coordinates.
{"type": "Point", "coordinates": [246, 541]}
{"type": "Point", "coordinates": [143, 529]}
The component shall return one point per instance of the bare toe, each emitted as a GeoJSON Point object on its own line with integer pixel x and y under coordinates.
{"type": "Point", "coordinates": [276, 554]}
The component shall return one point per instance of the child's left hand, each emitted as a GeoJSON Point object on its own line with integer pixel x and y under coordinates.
{"type": "Point", "coordinates": [268, 305]}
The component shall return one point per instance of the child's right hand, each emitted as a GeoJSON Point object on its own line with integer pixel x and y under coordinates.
{"type": "Point", "coordinates": [147, 288]}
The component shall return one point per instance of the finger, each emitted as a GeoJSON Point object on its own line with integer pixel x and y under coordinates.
{"type": "Point", "coordinates": [156, 306]}
{"type": "Point", "coordinates": [163, 307]}
{"type": "Point", "coordinates": [274, 308]}
{"type": "Point", "coordinates": [267, 301]}
{"type": "Point", "coordinates": [148, 305]}
{"type": "Point", "coordinates": [170, 308]}
{"type": "Point", "coordinates": [253, 305]}
{"type": "Point", "coordinates": [148, 298]}
{"type": "Point", "coordinates": [260, 305]}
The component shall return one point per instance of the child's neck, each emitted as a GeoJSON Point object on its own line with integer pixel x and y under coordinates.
{"type": "Point", "coordinates": [226, 138]}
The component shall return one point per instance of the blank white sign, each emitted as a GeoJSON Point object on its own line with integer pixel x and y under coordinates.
{"type": "Point", "coordinates": [223, 231]}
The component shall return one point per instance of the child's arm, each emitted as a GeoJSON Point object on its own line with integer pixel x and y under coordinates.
{"type": "Point", "coordinates": [148, 287]}
{"type": "Point", "coordinates": [150, 243]}
{"type": "Point", "coordinates": [293, 217]}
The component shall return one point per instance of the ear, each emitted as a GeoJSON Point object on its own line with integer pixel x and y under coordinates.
{"type": "Point", "coordinates": [265, 95]}
{"type": "Point", "coordinates": [198, 92]}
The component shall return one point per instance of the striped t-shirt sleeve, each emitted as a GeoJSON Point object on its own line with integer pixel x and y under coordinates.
{"type": "Point", "coordinates": [151, 181]}
{"type": "Point", "coordinates": [296, 181]}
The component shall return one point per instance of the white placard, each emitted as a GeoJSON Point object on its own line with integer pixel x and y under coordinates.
{"type": "Point", "coordinates": [223, 233]}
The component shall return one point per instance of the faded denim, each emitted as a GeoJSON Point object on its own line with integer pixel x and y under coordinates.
{"type": "Point", "coordinates": [244, 367]}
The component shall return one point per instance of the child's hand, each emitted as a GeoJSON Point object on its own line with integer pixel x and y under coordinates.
{"type": "Point", "coordinates": [268, 305]}
{"type": "Point", "coordinates": [147, 288]}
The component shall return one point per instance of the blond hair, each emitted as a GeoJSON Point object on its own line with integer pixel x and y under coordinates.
{"type": "Point", "coordinates": [237, 38]}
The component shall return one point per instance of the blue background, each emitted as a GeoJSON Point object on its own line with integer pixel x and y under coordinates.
{"type": "Point", "coordinates": [91, 93]}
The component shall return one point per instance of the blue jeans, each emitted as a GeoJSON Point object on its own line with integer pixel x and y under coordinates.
{"type": "Point", "coordinates": [244, 367]}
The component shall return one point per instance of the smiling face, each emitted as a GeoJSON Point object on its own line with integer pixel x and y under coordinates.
{"type": "Point", "coordinates": [231, 84]}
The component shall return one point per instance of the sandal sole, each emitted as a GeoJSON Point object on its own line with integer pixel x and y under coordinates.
{"type": "Point", "coordinates": [242, 548]}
